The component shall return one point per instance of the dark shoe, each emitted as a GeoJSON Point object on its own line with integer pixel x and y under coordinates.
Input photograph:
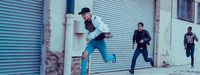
{"type": "Point", "coordinates": [152, 63]}
{"type": "Point", "coordinates": [115, 59]}
{"type": "Point", "coordinates": [131, 71]}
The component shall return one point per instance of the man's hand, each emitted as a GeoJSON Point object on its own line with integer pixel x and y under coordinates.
{"type": "Point", "coordinates": [185, 47]}
{"type": "Point", "coordinates": [141, 41]}
{"type": "Point", "coordinates": [108, 35]}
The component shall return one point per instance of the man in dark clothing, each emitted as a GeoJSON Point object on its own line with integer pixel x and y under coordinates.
{"type": "Point", "coordinates": [142, 38]}
{"type": "Point", "coordinates": [189, 39]}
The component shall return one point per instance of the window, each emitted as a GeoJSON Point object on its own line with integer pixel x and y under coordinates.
{"type": "Point", "coordinates": [186, 10]}
{"type": "Point", "coordinates": [198, 14]}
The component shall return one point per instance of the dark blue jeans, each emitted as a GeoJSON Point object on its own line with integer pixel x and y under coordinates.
{"type": "Point", "coordinates": [145, 56]}
{"type": "Point", "coordinates": [190, 52]}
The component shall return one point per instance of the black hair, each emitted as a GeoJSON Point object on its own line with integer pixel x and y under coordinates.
{"type": "Point", "coordinates": [141, 24]}
{"type": "Point", "coordinates": [190, 27]}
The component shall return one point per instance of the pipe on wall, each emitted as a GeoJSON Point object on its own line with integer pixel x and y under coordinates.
{"type": "Point", "coordinates": [68, 37]}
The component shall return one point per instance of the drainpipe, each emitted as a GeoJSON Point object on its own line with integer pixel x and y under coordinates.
{"type": "Point", "coordinates": [170, 60]}
{"type": "Point", "coordinates": [157, 27]}
{"type": "Point", "coordinates": [69, 31]}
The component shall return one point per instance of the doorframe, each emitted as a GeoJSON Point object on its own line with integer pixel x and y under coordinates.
{"type": "Point", "coordinates": [45, 27]}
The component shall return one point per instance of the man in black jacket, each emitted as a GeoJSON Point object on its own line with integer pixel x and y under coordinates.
{"type": "Point", "coordinates": [142, 38]}
{"type": "Point", "coordinates": [189, 39]}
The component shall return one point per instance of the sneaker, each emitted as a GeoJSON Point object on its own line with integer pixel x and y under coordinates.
{"type": "Point", "coordinates": [152, 64]}
{"type": "Point", "coordinates": [131, 71]}
{"type": "Point", "coordinates": [115, 59]}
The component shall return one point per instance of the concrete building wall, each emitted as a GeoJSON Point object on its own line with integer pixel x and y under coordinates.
{"type": "Point", "coordinates": [179, 28]}
{"type": "Point", "coordinates": [57, 19]}
{"type": "Point", "coordinates": [163, 32]}
{"type": "Point", "coordinates": [156, 27]}
{"type": "Point", "coordinates": [80, 34]}
{"type": "Point", "coordinates": [169, 32]}
{"type": "Point", "coordinates": [169, 35]}
{"type": "Point", "coordinates": [54, 36]}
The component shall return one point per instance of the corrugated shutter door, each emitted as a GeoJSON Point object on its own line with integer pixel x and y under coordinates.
{"type": "Point", "coordinates": [21, 24]}
{"type": "Point", "coordinates": [122, 17]}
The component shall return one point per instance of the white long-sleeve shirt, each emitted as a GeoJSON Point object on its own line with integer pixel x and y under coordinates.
{"type": "Point", "coordinates": [100, 26]}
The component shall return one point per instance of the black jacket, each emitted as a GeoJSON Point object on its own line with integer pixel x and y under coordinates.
{"type": "Point", "coordinates": [145, 35]}
{"type": "Point", "coordinates": [186, 38]}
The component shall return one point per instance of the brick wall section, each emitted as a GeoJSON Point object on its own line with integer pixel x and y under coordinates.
{"type": "Point", "coordinates": [54, 63]}
{"type": "Point", "coordinates": [76, 65]}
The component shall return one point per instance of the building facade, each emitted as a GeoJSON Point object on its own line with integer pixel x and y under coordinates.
{"type": "Point", "coordinates": [47, 37]}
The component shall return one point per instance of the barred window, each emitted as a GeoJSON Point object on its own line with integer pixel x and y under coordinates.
{"type": "Point", "coordinates": [186, 10]}
{"type": "Point", "coordinates": [198, 15]}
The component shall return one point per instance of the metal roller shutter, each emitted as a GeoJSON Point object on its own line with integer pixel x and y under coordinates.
{"type": "Point", "coordinates": [21, 28]}
{"type": "Point", "coordinates": [122, 17]}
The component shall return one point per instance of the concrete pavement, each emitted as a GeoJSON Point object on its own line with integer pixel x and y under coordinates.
{"type": "Point", "coordinates": [174, 70]}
